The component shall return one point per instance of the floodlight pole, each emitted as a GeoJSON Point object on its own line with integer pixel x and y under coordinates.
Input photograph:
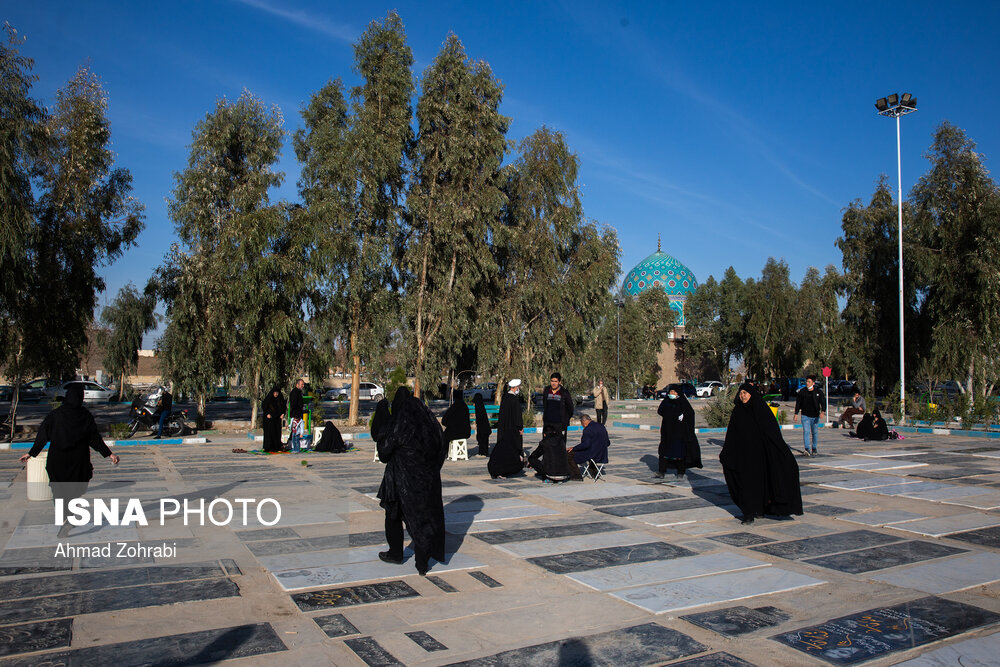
{"type": "Point", "coordinates": [896, 110]}
{"type": "Point", "coordinates": [618, 335]}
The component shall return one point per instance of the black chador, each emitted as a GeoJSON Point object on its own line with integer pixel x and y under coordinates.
{"type": "Point", "coordinates": [331, 440]}
{"type": "Point", "coordinates": [679, 447]}
{"type": "Point", "coordinates": [483, 429]}
{"type": "Point", "coordinates": [507, 457]}
{"type": "Point", "coordinates": [273, 410]}
{"type": "Point", "coordinates": [761, 472]}
{"type": "Point", "coordinates": [71, 433]}
{"type": "Point", "coordinates": [411, 447]}
{"type": "Point", "coordinates": [873, 427]}
{"type": "Point", "coordinates": [456, 422]}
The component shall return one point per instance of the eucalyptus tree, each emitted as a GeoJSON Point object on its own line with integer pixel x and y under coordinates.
{"type": "Point", "coordinates": [222, 215]}
{"type": "Point", "coordinates": [129, 317]}
{"type": "Point", "coordinates": [454, 197]}
{"type": "Point", "coordinates": [818, 323]}
{"type": "Point", "coordinates": [772, 348]}
{"type": "Point", "coordinates": [84, 217]}
{"type": "Point", "coordinates": [554, 269]}
{"type": "Point", "coordinates": [871, 285]}
{"type": "Point", "coordinates": [958, 233]}
{"type": "Point", "coordinates": [353, 168]}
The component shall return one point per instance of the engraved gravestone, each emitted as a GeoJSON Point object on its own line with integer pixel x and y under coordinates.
{"type": "Point", "coordinates": [878, 632]}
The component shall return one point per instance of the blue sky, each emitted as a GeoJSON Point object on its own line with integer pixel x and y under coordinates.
{"type": "Point", "coordinates": [737, 131]}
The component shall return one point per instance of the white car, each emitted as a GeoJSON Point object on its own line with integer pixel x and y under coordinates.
{"type": "Point", "coordinates": [368, 391]}
{"type": "Point", "coordinates": [706, 389]}
{"type": "Point", "coordinates": [92, 392]}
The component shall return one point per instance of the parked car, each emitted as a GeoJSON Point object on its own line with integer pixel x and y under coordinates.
{"type": "Point", "coordinates": [707, 389]}
{"type": "Point", "coordinates": [686, 387]}
{"type": "Point", "coordinates": [92, 392]}
{"type": "Point", "coordinates": [6, 393]}
{"type": "Point", "coordinates": [487, 390]}
{"type": "Point", "coordinates": [367, 391]}
{"type": "Point", "coordinates": [44, 387]}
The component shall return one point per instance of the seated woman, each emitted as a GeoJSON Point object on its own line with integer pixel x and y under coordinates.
{"type": "Point", "coordinates": [549, 459]}
{"type": "Point", "coordinates": [872, 427]}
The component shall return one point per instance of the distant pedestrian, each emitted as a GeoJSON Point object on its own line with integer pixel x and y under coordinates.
{"type": "Point", "coordinates": [761, 473]}
{"type": "Point", "coordinates": [296, 408]}
{"type": "Point", "coordinates": [411, 446]}
{"type": "Point", "coordinates": [70, 432]}
{"type": "Point", "coordinates": [601, 400]}
{"type": "Point", "coordinates": [274, 413]}
{"type": "Point", "coordinates": [483, 429]}
{"type": "Point", "coordinates": [857, 407]}
{"type": "Point", "coordinates": [507, 457]}
{"type": "Point", "coordinates": [809, 401]}
{"type": "Point", "coordinates": [164, 407]}
{"type": "Point", "coordinates": [679, 447]}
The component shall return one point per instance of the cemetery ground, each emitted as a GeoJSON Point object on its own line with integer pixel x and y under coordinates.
{"type": "Point", "coordinates": [896, 561]}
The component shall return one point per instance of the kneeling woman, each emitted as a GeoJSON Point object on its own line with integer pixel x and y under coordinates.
{"type": "Point", "coordinates": [761, 472]}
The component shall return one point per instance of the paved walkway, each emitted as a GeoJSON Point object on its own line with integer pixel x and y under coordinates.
{"type": "Point", "coordinates": [895, 561]}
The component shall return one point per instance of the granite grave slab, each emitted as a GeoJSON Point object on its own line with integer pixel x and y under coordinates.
{"type": "Point", "coordinates": [739, 620]}
{"type": "Point", "coordinates": [713, 589]}
{"type": "Point", "coordinates": [949, 524]}
{"type": "Point", "coordinates": [720, 659]}
{"type": "Point", "coordinates": [954, 574]}
{"type": "Point", "coordinates": [825, 544]}
{"type": "Point", "coordinates": [590, 559]}
{"type": "Point", "coordinates": [348, 596]}
{"type": "Point", "coordinates": [879, 632]}
{"type": "Point", "coordinates": [986, 537]}
{"type": "Point", "coordinates": [441, 583]}
{"type": "Point", "coordinates": [883, 557]}
{"type": "Point", "coordinates": [646, 644]}
{"type": "Point", "coordinates": [635, 509]}
{"type": "Point", "coordinates": [656, 572]}
{"type": "Point", "coordinates": [525, 534]}
{"type": "Point", "coordinates": [883, 518]}
{"type": "Point", "coordinates": [370, 570]}
{"type": "Point", "coordinates": [114, 599]}
{"type": "Point", "coordinates": [191, 648]}
{"type": "Point", "coordinates": [425, 641]}
{"type": "Point", "coordinates": [975, 652]}
{"type": "Point", "coordinates": [371, 652]}
{"type": "Point", "coordinates": [555, 545]}
{"type": "Point", "coordinates": [336, 625]}
{"type": "Point", "coordinates": [741, 539]}
{"type": "Point", "coordinates": [31, 637]}
{"type": "Point", "coordinates": [120, 578]}
{"type": "Point", "coordinates": [486, 579]}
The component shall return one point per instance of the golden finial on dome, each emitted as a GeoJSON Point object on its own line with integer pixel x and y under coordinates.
{"type": "Point", "coordinates": [658, 248]}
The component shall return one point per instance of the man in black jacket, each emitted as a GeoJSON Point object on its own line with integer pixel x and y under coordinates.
{"type": "Point", "coordinates": [810, 402]}
{"type": "Point", "coordinates": [164, 406]}
{"type": "Point", "coordinates": [295, 405]}
{"type": "Point", "coordinates": [557, 407]}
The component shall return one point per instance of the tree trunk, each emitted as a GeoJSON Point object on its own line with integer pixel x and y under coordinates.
{"type": "Point", "coordinates": [202, 399]}
{"type": "Point", "coordinates": [121, 388]}
{"type": "Point", "coordinates": [352, 414]}
{"type": "Point", "coordinates": [451, 382]}
{"type": "Point", "coordinates": [254, 392]}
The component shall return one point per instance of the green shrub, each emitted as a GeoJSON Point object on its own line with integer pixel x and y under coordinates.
{"type": "Point", "coordinates": [528, 416]}
{"type": "Point", "coordinates": [118, 431]}
{"type": "Point", "coordinates": [782, 417]}
{"type": "Point", "coordinates": [317, 408]}
{"type": "Point", "coordinates": [720, 408]}
{"type": "Point", "coordinates": [397, 379]}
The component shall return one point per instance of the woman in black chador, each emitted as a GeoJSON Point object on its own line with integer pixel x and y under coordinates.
{"type": "Point", "coordinates": [411, 447]}
{"type": "Point", "coordinates": [507, 457]}
{"type": "Point", "coordinates": [455, 421]}
{"type": "Point", "coordinates": [761, 473]}
{"type": "Point", "coordinates": [71, 433]}
{"type": "Point", "coordinates": [273, 410]}
{"type": "Point", "coordinates": [873, 427]}
{"type": "Point", "coordinates": [483, 429]}
{"type": "Point", "coordinates": [678, 444]}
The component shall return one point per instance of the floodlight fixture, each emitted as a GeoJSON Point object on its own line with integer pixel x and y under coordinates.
{"type": "Point", "coordinates": [906, 98]}
{"type": "Point", "coordinates": [893, 99]}
{"type": "Point", "coordinates": [895, 105]}
{"type": "Point", "coordinates": [881, 104]}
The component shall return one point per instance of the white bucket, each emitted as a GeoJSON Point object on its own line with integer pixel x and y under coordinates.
{"type": "Point", "coordinates": [38, 478]}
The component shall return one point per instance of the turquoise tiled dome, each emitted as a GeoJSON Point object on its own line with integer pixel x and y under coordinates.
{"type": "Point", "coordinates": [662, 271]}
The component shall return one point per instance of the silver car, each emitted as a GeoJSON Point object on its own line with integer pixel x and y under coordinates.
{"type": "Point", "coordinates": [367, 391]}
{"type": "Point", "coordinates": [92, 392]}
